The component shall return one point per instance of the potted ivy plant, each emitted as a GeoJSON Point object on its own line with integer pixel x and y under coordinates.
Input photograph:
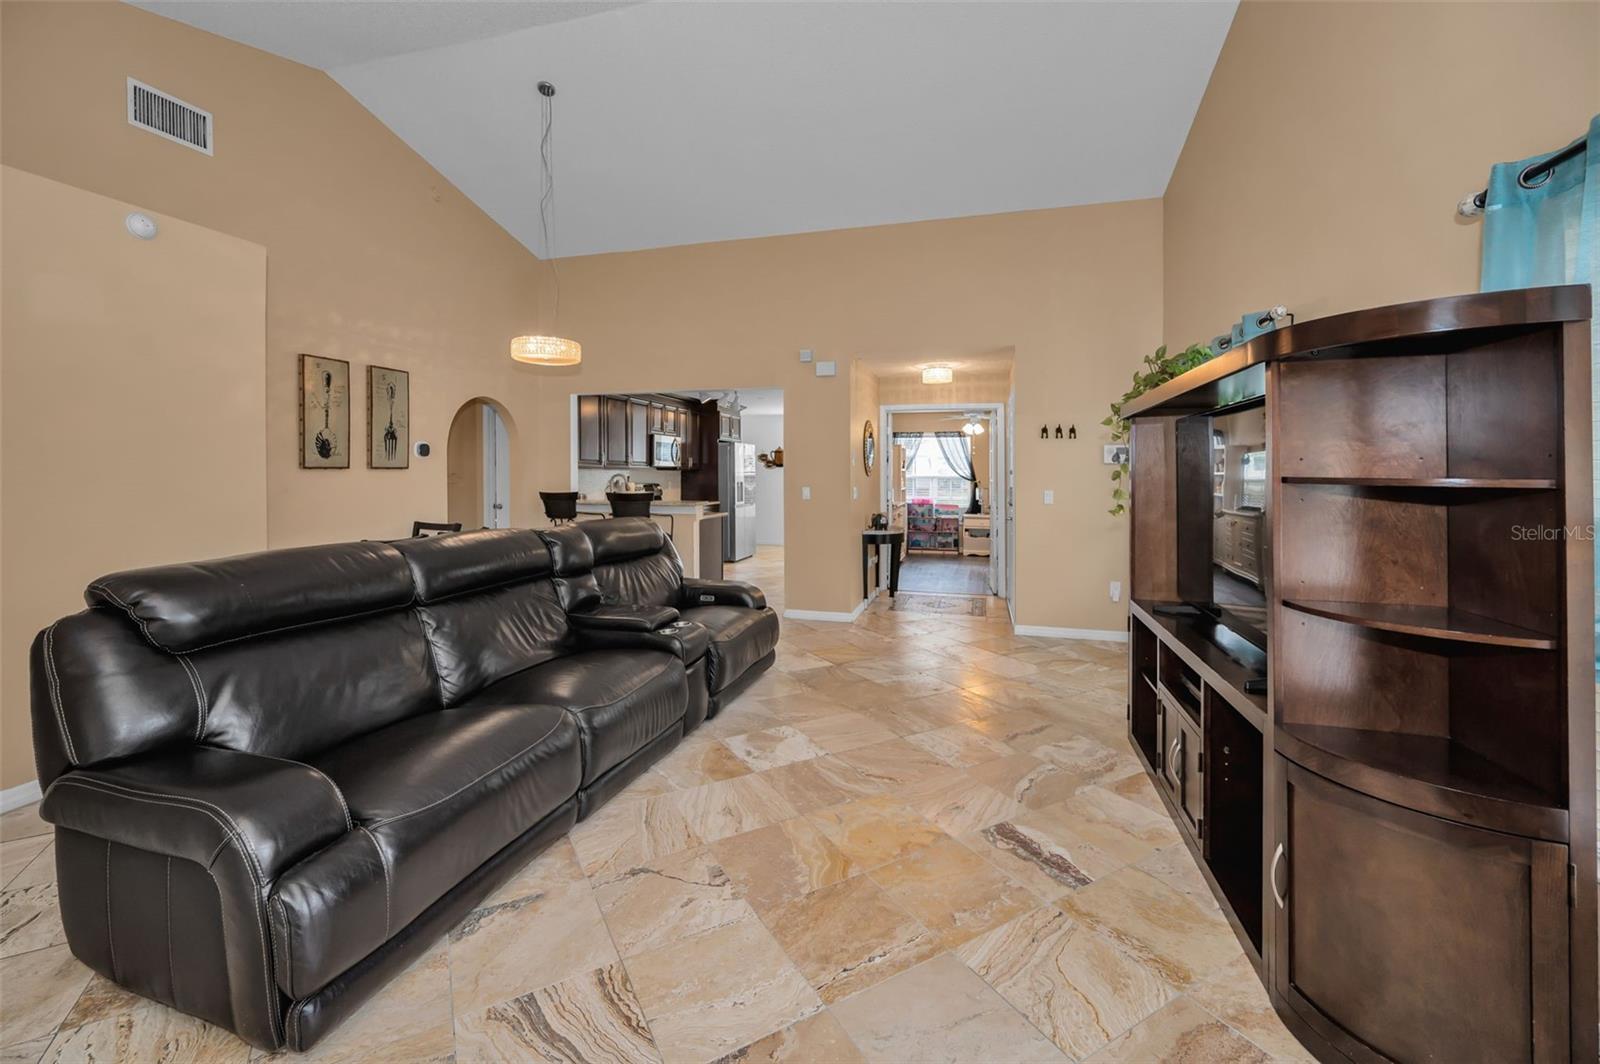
{"type": "Point", "coordinates": [1157, 370]}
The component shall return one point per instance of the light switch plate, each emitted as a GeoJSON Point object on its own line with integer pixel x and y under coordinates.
{"type": "Point", "coordinates": [805, 354]}
{"type": "Point", "coordinates": [827, 369]}
{"type": "Point", "coordinates": [1049, 498]}
{"type": "Point", "coordinates": [805, 493]}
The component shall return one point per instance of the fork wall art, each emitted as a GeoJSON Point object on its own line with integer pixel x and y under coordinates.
{"type": "Point", "coordinates": [324, 413]}
{"type": "Point", "coordinates": [388, 418]}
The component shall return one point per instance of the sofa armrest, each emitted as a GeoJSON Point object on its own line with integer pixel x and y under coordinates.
{"type": "Point", "coordinates": [199, 801]}
{"type": "Point", "coordinates": [723, 593]}
{"type": "Point", "coordinates": [685, 640]}
{"type": "Point", "coordinates": [243, 818]}
{"type": "Point", "coordinates": [623, 618]}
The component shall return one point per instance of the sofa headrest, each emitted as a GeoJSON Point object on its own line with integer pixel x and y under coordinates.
{"type": "Point", "coordinates": [448, 565]}
{"type": "Point", "coordinates": [182, 608]}
{"type": "Point", "coordinates": [622, 538]}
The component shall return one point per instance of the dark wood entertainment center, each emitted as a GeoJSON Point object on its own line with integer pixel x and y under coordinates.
{"type": "Point", "coordinates": [1400, 825]}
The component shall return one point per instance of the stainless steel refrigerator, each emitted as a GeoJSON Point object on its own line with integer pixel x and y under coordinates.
{"type": "Point", "coordinates": [736, 492]}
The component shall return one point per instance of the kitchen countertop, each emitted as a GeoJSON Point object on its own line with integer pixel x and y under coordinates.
{"type": "Point", "coordinates": [687, 506]}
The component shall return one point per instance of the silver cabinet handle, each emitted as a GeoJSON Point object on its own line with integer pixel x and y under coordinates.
{"type": "Point", "coordinates": [1172, 761]}
{"type": "Point", "coordinates": [1277, 856]}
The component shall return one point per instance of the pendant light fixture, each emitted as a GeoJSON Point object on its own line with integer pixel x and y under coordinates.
{"type": "Point", "coordinates": [540, 350]}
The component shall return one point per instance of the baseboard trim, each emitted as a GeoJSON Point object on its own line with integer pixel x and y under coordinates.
{"type": "Point", "coordinates": [1105, 635]}
{"type": "Point", "coordinates": [825, 615]}
{"type": "Point", "coordinates": [20, 795]}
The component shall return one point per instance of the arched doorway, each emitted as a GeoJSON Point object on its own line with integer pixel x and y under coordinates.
{"type": "Point", "coordinates": [478, 462]}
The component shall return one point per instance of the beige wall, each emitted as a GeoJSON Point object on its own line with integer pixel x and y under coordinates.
{"type": "Point", "coordinates": [372, 256]}
{"type": "Point", "coordinates": [134, 414]}
{"type": "Point", "coordinates": [1075, 293]}
{"type": "Point", "coordinates": [1335, 139]}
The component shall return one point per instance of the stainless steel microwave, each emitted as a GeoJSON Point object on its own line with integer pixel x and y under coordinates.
{"type": "Point", "coordinates": [665, 451]}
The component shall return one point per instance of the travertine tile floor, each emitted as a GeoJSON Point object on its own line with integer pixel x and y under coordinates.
{"type": "Point", "coordinates": [917, 838]}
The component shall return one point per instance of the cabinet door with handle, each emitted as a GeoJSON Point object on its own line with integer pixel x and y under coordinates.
{"type": "Point", "coordinates": [1369, 945]}
{"type": "Point", "coordinates": [591, 431]}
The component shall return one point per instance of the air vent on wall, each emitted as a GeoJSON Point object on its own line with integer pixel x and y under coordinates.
{"type": "Point", "coordinates": [167, 116]}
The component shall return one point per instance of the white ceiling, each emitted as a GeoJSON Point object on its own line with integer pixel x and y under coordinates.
{"type": "Point", "coordinates": [681, 123]}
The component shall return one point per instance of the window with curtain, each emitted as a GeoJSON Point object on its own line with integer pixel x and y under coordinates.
{"type": "Point", "coordinates": [931, 475]}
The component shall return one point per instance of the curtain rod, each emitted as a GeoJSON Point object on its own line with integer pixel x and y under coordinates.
{"type": "Point", "coordinates": [1530, 173]}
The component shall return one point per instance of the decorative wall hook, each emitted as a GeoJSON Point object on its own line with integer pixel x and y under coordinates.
{"type": "Point", "coordinates": [1072, 432]}
{"type": "Point", "coordinates": [1058, 432]}
{"type": "Point", "coordinates": [1044, 432]}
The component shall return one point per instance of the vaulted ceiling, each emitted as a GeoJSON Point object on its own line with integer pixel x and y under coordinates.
{"type": "Point", "coordinates": [679, 123]}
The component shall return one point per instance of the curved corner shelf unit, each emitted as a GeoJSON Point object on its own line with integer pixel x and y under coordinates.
{"type": "Point", "coordinates": [1403, 833]}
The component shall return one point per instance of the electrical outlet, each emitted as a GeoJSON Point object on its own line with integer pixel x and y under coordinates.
{"type": "Point", "coordinates": [855, 492]}
{"type": "Point", "coordinates": [1049, 498]}
{"type": "Point", "coordinates": [1116, 591]}
{"type": "Point", "coordinates": [805, 493]}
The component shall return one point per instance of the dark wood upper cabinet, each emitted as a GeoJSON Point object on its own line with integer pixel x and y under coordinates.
{"type": "Point", "coordinates": [591, 431]}
{"type": "Point", "coordinates": [614, 419]}
{"type": "Point", "coordinates": [638, 450]}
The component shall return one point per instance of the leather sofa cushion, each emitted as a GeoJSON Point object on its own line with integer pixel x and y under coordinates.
{"type": "Point", "coordinates": [740, 637]}
{"type": "Point", "coordinates": [619, 699]}
{"type": "Point", "coordinates": [432, 798]}
{"type": "Point", "coordinates": [443, 566]}
{"type": "Point", "coordinates": [482, 637]}
{"type": "Point", "coordinates": [181, 608]}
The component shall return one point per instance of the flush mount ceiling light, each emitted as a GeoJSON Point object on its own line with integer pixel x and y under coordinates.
{"type": "Point", "coordinates": [938, 373]}
{"type": "Point", "coordinates": [540, 350]}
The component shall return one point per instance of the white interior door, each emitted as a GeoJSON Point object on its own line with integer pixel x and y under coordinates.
{"type": "Point", "coordinates": [1008, 486]}
{"type": "Point", "coordinates": [496, 470]}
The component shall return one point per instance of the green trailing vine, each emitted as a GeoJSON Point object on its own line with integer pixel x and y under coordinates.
{"type": "Point", "coordinates": [1158, 369]}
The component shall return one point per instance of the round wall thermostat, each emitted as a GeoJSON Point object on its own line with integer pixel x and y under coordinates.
{"type": "Point", "coordinates": [141, 225]}
{"type": "Point", "coordinates": [422, 448]}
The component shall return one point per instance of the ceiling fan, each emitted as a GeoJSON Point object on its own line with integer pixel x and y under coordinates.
{"type": "Point", "coordinates": [973, 422]}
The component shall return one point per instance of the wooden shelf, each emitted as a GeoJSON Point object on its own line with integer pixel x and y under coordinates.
{"type": "Point", "coordinates": [1466, 483]}
{"type": "Point", "coordinates": [1433, 622]}
{"type": "Point", "coordinates": [1430, 773]}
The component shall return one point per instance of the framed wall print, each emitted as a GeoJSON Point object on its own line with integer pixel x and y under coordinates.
{"type": "Point", "coordinates": [324, 413]}
{"type": "Point", "coordinates": [388, 418]}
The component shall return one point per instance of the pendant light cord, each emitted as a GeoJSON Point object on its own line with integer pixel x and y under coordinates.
{"type": "Point", "coordinates": [547, 194]}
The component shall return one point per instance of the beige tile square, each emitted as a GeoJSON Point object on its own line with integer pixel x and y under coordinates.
{"type": "Point", "coordinates": [697, 762]}
{"type": "Point", "coordinates": [773, 747]}
{"type": "Point", "coordinates": [1181, 1031]}
{"type": "Point", "coordinates": [956, 802]}
{"type": "Point", "coordinates": [940, 1013]}
{"type": "Point", "coordinates": [729, 807]}
{"type": "Point", "coordinates": [952, 891]}
{"type": "Point", "coordinates": [1176, 867]}
{"type": "Point", "coordinates": [40, 988]}
{"type": "Point", "coordinates": [846, 731]}
{"type": "Point", "coordinates": [151, 1032]}
{"type": "Point", "coordinates": [1019, 729]}
{"type": "Point", "coordinates": [30, 919]}
{"type": "Point", "coordinates": [1156, 925]}
{"type": "Point", "coordinates": [1027, 780]}
{"type": "Point", "coordinates": [894, 763]}
{"type": "Point", "coordinates": [22, 823]}
{"type": "Point", "coordinates": [1121, 827]}
{"type": "Point", "coordinates": [626, 832]}
{"type": "Point", "coordinates": [780, 862]}
{"type": "Point", "coordinates": [823, 781]}
{"type": "Point", "coordinates": [1069, 982]}
{"type": "Point", "coordinates": [1234, 995]}
{"type": "Point", "coordinates": [17, 855]}
{"type": "Point", "coordinates": [672, 898]}
{"type": "Point", "coordinates": [799, 705]}
{"type": "Point", "coordinates": [875, 831]}
{"type": "Point", "coordinates": [961, 745]}
{"type": "Point", "coordinates": [718, 991]}
{"type": "Point", "coordinates": [506, 950]}
{"type": "Point", "coordinates": [1045, 865]}
{"type": "Point", "coordinates": [817, 1039]}
{"type": "Point", "coordinates": [554, 867]}
{"type": "Point", "coordinates": [849, 936]}
{"type": "Point", "coordinates": [592, 1017]}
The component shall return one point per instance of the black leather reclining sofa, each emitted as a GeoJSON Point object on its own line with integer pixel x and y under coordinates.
{"type": "Point", "coordinates": [276, 779]}
{"type": "Point", "coordinates": [632, 562]}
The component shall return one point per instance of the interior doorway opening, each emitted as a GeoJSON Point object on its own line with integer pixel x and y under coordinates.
{"type": "Point", "coordinates": [478, 457]}
{"type": "Point", "coordinates": [947, 484]}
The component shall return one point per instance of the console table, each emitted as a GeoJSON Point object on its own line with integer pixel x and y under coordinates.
{"type": "Point", "coordinates": [871, 540]}
{"type": "Point", "coordinates": [1400, 822]}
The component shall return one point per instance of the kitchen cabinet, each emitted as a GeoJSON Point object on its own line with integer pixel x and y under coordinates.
{"type": "Point", "coordinates": [728, 427]}
{"type": "Point", "coordinates": [614, 422]}
{"type": "Point", "coordinates": [638, 448]}
{"type": "Point", "coordinates": [591, 431]}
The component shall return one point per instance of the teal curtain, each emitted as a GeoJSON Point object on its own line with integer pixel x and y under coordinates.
{"type": "Point", "coordinates": [1546, 235]}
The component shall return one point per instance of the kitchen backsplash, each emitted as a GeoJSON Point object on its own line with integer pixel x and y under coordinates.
{"type": "Point", "coordinates": [592, 482]}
